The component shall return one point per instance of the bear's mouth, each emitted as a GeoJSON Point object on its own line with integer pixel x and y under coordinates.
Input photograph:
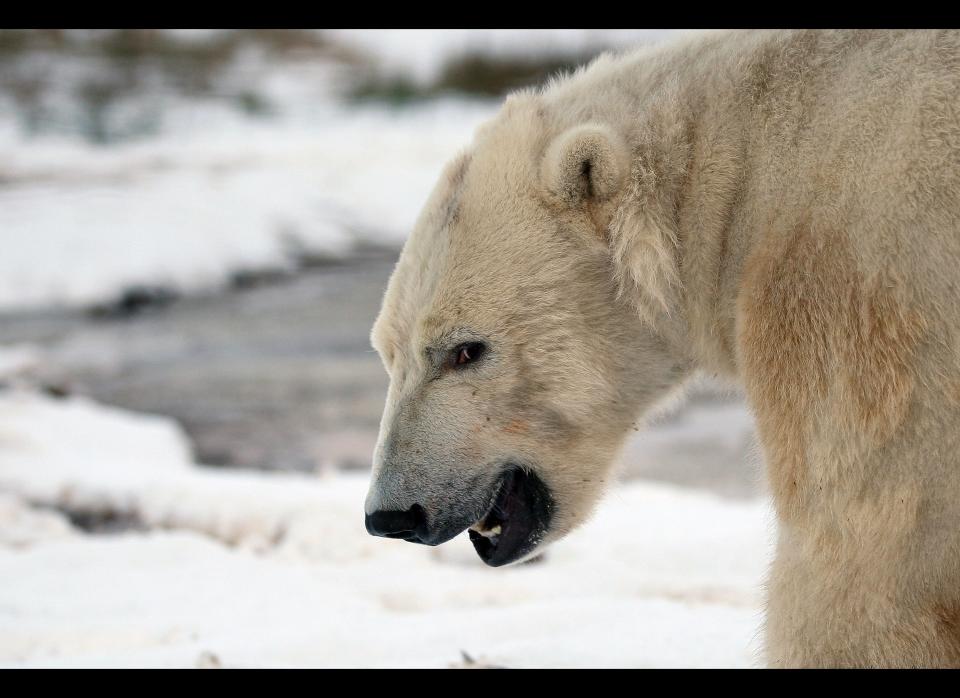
{"type": "Point", "coordinates": [516, 521]}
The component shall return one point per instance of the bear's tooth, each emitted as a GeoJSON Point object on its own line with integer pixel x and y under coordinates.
{"type": "Point", "coordinates": [487, 533]}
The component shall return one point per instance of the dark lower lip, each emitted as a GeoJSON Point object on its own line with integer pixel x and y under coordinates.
{"type": "Point", "coordinates": [522, 508]}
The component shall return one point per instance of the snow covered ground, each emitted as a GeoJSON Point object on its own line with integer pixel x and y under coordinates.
{"type": "Point", "coordinates": [187, 209]}
{"type": "Point", "coordinates": [210, 190]}
{"type": "Point", "coordinates": [257, 569]}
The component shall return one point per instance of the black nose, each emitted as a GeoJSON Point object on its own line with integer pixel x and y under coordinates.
{"type": "Point", "coordinates": [408, 525]}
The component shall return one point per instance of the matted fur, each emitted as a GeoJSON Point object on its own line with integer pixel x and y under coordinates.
{"type": "Point", "coordinates": [778, 208]}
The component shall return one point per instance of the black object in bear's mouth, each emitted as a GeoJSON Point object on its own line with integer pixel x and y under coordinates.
{"type": "Point", "coordinates": [517, 521]}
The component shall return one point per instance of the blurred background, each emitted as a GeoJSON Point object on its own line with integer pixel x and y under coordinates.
{"type": "Point", "coordinates": [197, 228]}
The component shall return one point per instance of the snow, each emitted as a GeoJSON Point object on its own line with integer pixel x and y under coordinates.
{"type": "Point", "coordinates": [17, 359]}
{"type": "Point", "coordinates": [210, 190]}
{"type": "Point", "coordinates": [21, 525]}
{"type": "Point", "coordinates": [185, 210]}
{"type": "Point", "coordinates": [239, 568]}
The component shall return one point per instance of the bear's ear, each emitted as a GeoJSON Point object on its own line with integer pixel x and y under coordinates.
{"type": "Point", "coordinates": [586, 163]}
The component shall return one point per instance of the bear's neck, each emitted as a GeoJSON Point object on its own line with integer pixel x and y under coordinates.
{"type": "Point", "coordinates": [691, 118]}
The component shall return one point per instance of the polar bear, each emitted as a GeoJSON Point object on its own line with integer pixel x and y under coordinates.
{"type": "Point", "coordinates": [781, 208]}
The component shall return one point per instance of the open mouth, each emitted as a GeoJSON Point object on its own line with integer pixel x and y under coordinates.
{"type": "Point", "coordinates": [517, 520]}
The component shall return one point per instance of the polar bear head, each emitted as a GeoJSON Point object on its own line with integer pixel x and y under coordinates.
{"type": "Point", "coordinates": [516, 366]}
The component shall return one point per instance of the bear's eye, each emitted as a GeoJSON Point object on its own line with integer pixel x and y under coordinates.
{"type": "Point", "coordinates": [467, 353]}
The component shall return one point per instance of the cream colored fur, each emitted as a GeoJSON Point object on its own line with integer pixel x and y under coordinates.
{"type": "Point", "coordinates": [779, 208]}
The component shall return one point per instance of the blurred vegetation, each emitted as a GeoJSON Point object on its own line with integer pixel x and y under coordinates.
{"type": "Point", "coordinates": [78, 80]}
{"type": "Point", "coordinates": [110, 85]}
{"type": "Point", "coordinates": [190, 62]}
{"type": "Point", "coordinates": [471, 74]}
